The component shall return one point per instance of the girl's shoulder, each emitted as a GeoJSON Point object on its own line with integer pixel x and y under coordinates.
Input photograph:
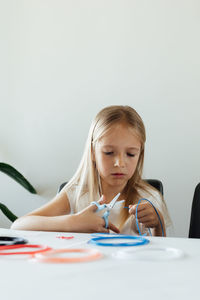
{"type": "Point", "coordinates": [150, 193]}
{"type": "Point", "coordinates": [73, 188]}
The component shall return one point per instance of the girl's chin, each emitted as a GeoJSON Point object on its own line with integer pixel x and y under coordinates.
{"type": "Point", "coordinates": [119, 182]}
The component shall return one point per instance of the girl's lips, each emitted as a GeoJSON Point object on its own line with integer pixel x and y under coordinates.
{"type": "Point", "coordinates": [118, 174]}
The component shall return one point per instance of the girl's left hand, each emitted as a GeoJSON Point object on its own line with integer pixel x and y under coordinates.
{"type": "Point", "coordinates": [146, 214]}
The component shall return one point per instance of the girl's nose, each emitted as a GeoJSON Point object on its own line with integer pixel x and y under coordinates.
{"type": "Point", "coordinates": [119, 162]}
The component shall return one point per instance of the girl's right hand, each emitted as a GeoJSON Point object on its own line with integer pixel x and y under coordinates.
{"type": "Point", "coordinates": [88, 221]}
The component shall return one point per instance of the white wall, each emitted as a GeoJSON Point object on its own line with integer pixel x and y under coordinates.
{"type": "Point", "coordinates": [62, 61]}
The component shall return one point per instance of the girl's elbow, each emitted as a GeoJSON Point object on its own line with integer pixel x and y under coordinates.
{"type": "Point", "coordinates": [17, 225]}
{"type": "Point", "coordinates": [14, 225]}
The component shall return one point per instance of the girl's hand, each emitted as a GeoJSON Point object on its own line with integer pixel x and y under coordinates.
{"type": "Point", "coordinates": [147, 216]}
{"type": "Point", "coordinates": [88, 221]}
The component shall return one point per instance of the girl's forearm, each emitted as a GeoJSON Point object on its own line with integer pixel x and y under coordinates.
{"type": "Point", "coordinates": [65, 223]}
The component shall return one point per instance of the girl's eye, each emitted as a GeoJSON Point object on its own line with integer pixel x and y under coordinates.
{"type": "Point", "coordinates": [111, 152]}
{"type": "Point", "coordinates": [130, 154]}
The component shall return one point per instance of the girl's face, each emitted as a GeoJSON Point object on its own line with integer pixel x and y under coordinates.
{"type": "Point", "coordinates": [116, 156]}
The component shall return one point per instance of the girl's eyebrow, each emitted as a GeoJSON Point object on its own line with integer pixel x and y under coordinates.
{"type": "Point", "coordinates": [130, 148]}
{"type": "Point", "coordinates": [133, 148]}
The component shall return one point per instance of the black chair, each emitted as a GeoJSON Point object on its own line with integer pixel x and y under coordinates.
{"type": "Point", "coordinates": [61, 186]}
{"type": "Point", "coordinates": [157, 184]}
{"type": "Point", "coordinates": [194, 230]}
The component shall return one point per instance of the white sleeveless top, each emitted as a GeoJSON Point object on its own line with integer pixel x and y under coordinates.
{"type": "Point", "coordinates": [129, 227]}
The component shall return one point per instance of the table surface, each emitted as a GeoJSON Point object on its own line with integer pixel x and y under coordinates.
{"type": "Point", "coordinates": [156, 277]}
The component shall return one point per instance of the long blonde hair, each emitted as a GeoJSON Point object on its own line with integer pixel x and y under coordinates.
{"type": "Point", "coordinates": [86, 176]}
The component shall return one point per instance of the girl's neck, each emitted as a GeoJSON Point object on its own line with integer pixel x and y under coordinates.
{"type": "Point", "coordinates": [111, 192]}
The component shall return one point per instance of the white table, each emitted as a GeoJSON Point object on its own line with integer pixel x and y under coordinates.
{"type": "Point", "coordinates": [106, 278]}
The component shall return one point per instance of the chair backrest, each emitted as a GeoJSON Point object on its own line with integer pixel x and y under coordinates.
{"type": "Point", "coordinates": [157, 184]}
{"type": "Point", "coordinates": [61, 186]}
{"type": "Point", "coordinates": [194, 230]}
{"type": "Point", "coordinates": [154, 182]}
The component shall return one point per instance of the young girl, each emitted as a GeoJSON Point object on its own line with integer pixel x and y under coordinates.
{"type": "Point", "coordinates": [112, 163]}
